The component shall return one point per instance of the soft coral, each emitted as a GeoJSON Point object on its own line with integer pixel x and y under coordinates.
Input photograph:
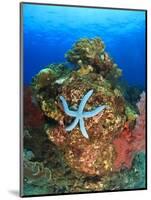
{"type": "Point", "coordinates": [131, 141]}
{"type": "Point", "coordinates": [123, 148]}
{"type": "Point", "coordinates": [33, 116]}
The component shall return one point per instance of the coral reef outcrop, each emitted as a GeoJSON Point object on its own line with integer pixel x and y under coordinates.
{"type": "Point", "coordinates": [91, 52]}
{"type": "Point", "coordinates": [65, 159]}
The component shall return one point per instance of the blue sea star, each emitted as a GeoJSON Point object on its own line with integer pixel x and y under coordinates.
{"type": "Point", "coordinates": [80, 114]}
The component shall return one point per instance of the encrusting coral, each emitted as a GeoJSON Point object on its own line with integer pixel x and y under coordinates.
{"type": "Point", "coordinates": [94, 156]}
{"type": "Point", "coordinates": [80, 114]}
{"type": "Point", "coordinates": [91, 52]}
{"type": "Point", "coordinates": [51, 74]}
{"type": "Point", "coordinates": [49, 79]}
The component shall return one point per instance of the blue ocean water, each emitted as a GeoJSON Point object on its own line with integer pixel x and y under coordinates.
{"type": "Point", "coordinates": [50, 31]}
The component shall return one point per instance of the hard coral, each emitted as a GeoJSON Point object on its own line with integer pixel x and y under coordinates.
{"type": "Point", "coordinates": [109, 146]}
{"type": "Point", "coordinates": [46, 85]}
{"type": "Point", "coordinates": [90, 52]}
{"type": "Point", "coordinates": [90, 158]}
{"type": "Point", "coordinates": [80, 114]}
{"type": "Point", "coordinates": [49, 75]}
{"type": "Point", "coordinates": [85, 51]}
{"type": "Point", "coordinates": [96, 155]}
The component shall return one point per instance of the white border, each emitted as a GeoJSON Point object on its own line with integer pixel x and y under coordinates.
{"type": "Point", "coordinates": [9, 98]}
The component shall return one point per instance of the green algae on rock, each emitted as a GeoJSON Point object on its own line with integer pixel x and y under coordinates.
{"type": "Point", "coordinates": [91, 52]}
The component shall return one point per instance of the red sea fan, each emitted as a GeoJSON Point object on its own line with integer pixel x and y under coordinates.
{"type": "Point", "coordinates": [123, 148]}
{"type": "Point", "coordinates": [139, 130]}
{"type": "Point", "coordinates": [33, 117]}
{"type": "Point", "coordinates": [129, 142]}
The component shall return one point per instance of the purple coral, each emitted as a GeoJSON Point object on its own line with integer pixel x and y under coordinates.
{"type": "Point", "coordinates": [139, 130]}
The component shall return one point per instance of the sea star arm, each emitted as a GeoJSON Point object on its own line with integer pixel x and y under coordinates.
{"type": "Point", "coordinates": [83, 130]}
{"type": "Point", "coordinates": [72, 125]}
{"type": "Point", "coordinates": [84, 100]}
{"type": "Point", "coordinates": [94, 112]}
{"type": "Point", "coordinates": [66, 108]}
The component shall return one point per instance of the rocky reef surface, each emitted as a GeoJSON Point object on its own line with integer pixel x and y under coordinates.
{"type": "Point", "coordinates": [57, 160]}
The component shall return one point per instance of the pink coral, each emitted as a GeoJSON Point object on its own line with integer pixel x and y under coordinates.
{"type": "Point", "coordinates": [130, 142]}
{"type": "Point", "coordinates": [123, 147]}
{"type": "Point", "coordinates": [139, 130]}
